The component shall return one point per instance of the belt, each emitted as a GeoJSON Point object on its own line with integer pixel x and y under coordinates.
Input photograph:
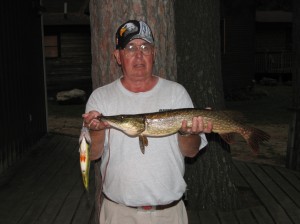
{"type": "Point", "coordinates": [149, 207]}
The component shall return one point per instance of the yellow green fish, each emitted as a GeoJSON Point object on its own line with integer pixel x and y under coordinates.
{"type": "Point", "coordinates": [169, 122]}
{"type": "Point", "coordinates": [84, 155]}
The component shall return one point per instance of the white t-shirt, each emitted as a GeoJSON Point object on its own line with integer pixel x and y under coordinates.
{"type": "Point", "coordinates": [133, 178]}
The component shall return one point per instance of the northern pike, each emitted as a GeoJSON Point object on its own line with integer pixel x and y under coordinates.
{"type": "Point", "coordinates": [169, 122]}
{"type": "Point", "coordinates": [84, 155]}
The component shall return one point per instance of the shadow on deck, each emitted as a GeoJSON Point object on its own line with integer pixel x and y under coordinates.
{"type": "Point", "coordinates": [46, 187]}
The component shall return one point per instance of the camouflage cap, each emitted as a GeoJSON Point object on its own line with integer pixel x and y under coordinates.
{"type": "Point", "coordinates": [133, 29]}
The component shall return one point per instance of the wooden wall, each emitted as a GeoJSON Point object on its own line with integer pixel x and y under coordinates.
{"type": "Point", "coordinates": [22, 86]}
{"type": "Point", "coordinates": [238, 55]}
{"type": "Point", "coordinates": [273, 37]}
{"type": "Point", "coordinates": [72, 68]}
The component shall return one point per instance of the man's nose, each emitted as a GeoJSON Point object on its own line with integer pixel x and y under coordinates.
{"type": "Point", "coordinates": [139, 52]}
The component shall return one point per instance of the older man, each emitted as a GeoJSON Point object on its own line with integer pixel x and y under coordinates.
{"type": "Point", "coordinates": [141, 188]}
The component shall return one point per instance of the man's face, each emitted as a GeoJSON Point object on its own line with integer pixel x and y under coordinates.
{"type": "Point", "coordinates": [136, 59]}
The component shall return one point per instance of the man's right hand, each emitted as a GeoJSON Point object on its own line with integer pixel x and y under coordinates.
{"type": "Point", "coordinates": [91, 122]}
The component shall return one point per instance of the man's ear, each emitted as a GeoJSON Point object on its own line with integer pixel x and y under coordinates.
{"type": "Point", "coordinates": [117, 56]}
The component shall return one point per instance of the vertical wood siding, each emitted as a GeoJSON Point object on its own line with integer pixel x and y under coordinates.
{"type": "Point", "coordinates": [72, 69]}
{"type": "Point", "coordinates": [22, 89]}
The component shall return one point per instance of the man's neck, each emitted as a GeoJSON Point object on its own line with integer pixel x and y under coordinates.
{"type": "Point", "coordinates": [141, 85]}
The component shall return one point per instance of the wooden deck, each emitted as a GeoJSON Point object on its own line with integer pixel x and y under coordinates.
{"type": "Point", "coordinates": [277, 190]}
{"type": "Point", "coordinates": [46, 188]}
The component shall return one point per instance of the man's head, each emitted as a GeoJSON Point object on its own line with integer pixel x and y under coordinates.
{"type": "Point", "coordinates": [133, 29]}
{"type": "Point", "coordinates": [135, 49]}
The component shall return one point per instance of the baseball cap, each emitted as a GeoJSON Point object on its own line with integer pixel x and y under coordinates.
{"type": "Point", "coordinates": [133, 29]}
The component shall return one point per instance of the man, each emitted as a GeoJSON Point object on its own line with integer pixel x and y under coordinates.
{"type": "Point", "coordinates": [141, 188]}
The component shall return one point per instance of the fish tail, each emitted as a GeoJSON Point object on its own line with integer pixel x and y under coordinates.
{"type": "Point", "coordinates": [254, 137]}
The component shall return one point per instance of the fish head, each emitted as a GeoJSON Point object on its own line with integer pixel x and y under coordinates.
{"type": "Point", "coordinates": [132, 125]}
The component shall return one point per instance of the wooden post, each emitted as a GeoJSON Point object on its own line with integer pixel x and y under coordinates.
{"type": "Point", "coordinates": [293, 150]}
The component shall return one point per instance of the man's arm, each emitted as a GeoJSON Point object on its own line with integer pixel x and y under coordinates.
{"type": "Point", "coordinates": [97, 144]}
{"type": "Point", "coordinates": [189, 145]}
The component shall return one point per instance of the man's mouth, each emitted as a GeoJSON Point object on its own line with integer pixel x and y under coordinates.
{"type": "Point", "coordinates": [139, 66]}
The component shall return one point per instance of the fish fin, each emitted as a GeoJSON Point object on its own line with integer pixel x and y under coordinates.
{"type": "Point", "coordinates": [143, 143]}
{"type": "Point", "coordinates": [235, 115]}
{"type": "Point", "coordinates": [228, 137]}
{"type": "Point", "coordinates": [254, 137]}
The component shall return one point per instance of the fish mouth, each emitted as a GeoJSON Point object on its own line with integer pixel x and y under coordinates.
{"type": "Point", "coordinates": [129, 124]}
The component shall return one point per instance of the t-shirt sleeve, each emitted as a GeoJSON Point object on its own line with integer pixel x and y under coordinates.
{"type": "Point", "coordinates": [95, 102]}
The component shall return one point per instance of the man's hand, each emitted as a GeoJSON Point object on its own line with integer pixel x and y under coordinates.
{"type": "Point", "coordinates": [198, 126]}
{"type": "Point", "coordinates": [188, 139]}
{"type": "Point", "coordinates": [90, 121]}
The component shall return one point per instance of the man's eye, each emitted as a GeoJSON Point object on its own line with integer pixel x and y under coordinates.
{"type": "Point", "coordinates": [131, 48]}
{"type": "Point", "coordinates": [145, 47]}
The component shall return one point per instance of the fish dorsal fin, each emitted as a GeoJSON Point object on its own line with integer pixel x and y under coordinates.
{"type": "Point", "coordinates": [228, 137]}
{"type": "Point", "coordinates": [143, 143]}
{"type": "Point", "coordinates": [235, 115]}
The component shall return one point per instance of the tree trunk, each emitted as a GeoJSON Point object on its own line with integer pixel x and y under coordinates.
{"type": "Point", "coordinates": [209, 176]}
{"type": "Point", "coordinates": [293, 150]}
{"type": "Point", "coordinates": [198, 49]}
{"type": "Point", "coordinates": [107, 15]}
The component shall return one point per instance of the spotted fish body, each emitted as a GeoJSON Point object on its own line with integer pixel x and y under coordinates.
{"type": "Point", "coordinates": [84, 156]}
{"type": "Point", "coordinates": [169, 122]}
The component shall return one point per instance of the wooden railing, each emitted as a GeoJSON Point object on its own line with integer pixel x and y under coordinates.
{"type": "Point", "coordinates": [273, 62]}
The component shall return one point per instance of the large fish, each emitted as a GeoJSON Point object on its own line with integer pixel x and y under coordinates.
{"type": "Point", "coordinates": [169, 122]}
{"type": "Point", "coordinates": [84, 155]}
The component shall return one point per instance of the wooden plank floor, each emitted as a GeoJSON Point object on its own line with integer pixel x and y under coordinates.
{"type": "Point", "coordinates": [46, 188]}
{"type": "Point", "coordinates": [278, 192]}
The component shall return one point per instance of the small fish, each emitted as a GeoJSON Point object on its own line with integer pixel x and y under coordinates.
{"type": "Point", "coordinates": [169, 122]}
{"type": "Point", "coordinates": [84, 155]}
